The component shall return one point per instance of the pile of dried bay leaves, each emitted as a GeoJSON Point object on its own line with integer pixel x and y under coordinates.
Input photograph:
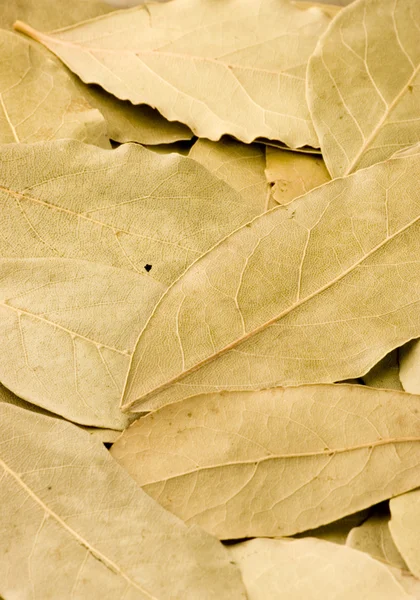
{"type": "Point", "coordinates": [210, 300]}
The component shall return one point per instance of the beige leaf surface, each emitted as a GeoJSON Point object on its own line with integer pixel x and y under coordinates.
{"type": "Point", "coordinates": [385, 374]}
{"type": "Point", "coordinates": [49, 15]}
{"type": "Point", "coordinates": [337, 531]}
{"type": "Point", "coordinates": [129, 123]}
{"type": "Point", "coordinates": [314, 570]}
{"type": "Point", "coordinates": [38, 99]}
{"type": "Point", "coordinates": [409, 372]}
{"type": "Point", "coordinates": [373, 536]}
{"type": "Point", "coordinates": [293, 174]}
{"type": "Point", "coordinates": [75, 525]}
{"type": "Point", "coordinates": [361, 113]}
{"type": "Point", "coordinates": [235, 67]}
{"type": "Point", "coordinates": [313, 292]}
{"type": "Point", "coordinates": [68, 329]}
{"type": "Point", "coordinates": [405, 528]}
{"type": "Point", "coordinates": [240, 165]}
{"type": "Point", "coordinates": [126, 208]}
{"type": "Point", "coordinates": [275, 462]}
{"type": "Point", "coordinates": [330, 9]}
{"type": "Point", "coordinates": [93, 220]}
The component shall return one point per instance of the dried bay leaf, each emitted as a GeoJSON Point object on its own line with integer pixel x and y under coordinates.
{"type": "Point", "coordinates": [405, 528]}
{"type": "Point", "coordinates": [409, 371]}
{"type": "Point", "coordinates": [129, 123]}
{"type": "Point", "coordinates": [75, 291]}
{"type": "Point", "coordinates": [385, 374]}
{"type": "Point", "coordinates": [240, 165]}
{"type": "Point", "coordinates": [373, 536]}
{"type": "Point", "coordinates": [68, 328]}
{"type": "Point", "coordinates": [313, 292]}
{"type": "Point", "coordinates": [125, 208]}
{"type": "Point", "coordinates": [74, 524]}
{"type": "Point", "coordinates": [49, 15]}
{"type": "Point", "coordinates": [337, 531]}
{"type": "Point", "coordinates": [312, 569]}
{"type": "Point", "coordinates": [362, 114]}
{"type": "Point", "coordinates": [275, 462]}
{"type": "Point", "coordinates": [293, 173]}
{"type": "Point", "coordinates": [38, 99]}
{"type": "Point", "coordinates": [242, 73]}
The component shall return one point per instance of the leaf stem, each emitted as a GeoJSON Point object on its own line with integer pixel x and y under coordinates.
{"type": "Point", "coordinates": [27, 30]}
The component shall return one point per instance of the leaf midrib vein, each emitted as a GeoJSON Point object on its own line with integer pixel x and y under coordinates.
{"type": "Point", "coordinates": [266, 324]}
{"type": "Point", "coordinates": [297, 455]}
{"type": "Point", "coordinates": [81, 540]}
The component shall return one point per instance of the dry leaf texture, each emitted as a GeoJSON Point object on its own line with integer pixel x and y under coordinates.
{"type": "Point", "coordinates": [234, 67]}
{"type": "Point", "coordinates": [314, 570]}
{"type": "Point", "coordinates": [405, 528]}
{"type": "Point", "coordinates": [275, 462]}
{"type": "Point", "coordinates": [38, 99]}
{"type": "Point", "coordinates": [317, 291]}
{"type": "Point", "coordinates": [409, 372]}
{"type": "Point", "coordinates": [75, 525]}
{"type": "Point", "coordinates": [74, 291]}
{"type": "Point", "coordinates": [240, 165]}
{"type": "Point", "coordinates": [364, 84]}
{"type": "Point", "coordinates": [293, 173]}
{"type": "Point", "coordinates": [385, 374]}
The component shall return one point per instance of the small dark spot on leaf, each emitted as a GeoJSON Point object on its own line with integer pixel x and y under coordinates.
{"type": "Point", "coordinates": [248, 225]}
{"type": "Point", "coordinates": [148, 267]}
{"type": "Point", "coordinates": [189, 414]}
{"type": "Point", "coordinates": [410, 88]}
{"type": "Point", "coordinates": [49, 487]}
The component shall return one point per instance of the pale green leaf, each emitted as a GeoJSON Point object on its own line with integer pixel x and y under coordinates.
{"type": "Point", "coordinates": [293, 174]}
{"type": "Point", "coordinates": [75, 525]}
{"type": "Point", "coordinates": [316, 291]}
{"type": "Point", "coordinates": [363, 84]}
{"type": "Point", "coordinates": [314, 570]}
{"type": "Point", "coordinates": [240, 165]}
{"type": "Point", "coordinates": [39, 100]}
{"type": "Point", "coordinates": [275, 462]}
{"type": "Point", "coordinates": [235, 67]}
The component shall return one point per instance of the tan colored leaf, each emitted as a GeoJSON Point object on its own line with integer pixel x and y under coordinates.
{"type": "Point", "coordinates": [38, 99]}
{"type": "Point", "coordinates": [275, 462]}
{"type": "Point", "coordinates": [235, 67]}
{"type": "Point", "coordinates": [385, 374]}
{"type": "Point", "coordinates": [361, 113]}
{"type": "Point", "coordinates": [294, 174]}
{"type": "Point", "coordinates": [75, 525]}
{"type": "Point", "coordinates": [240, 165]}
{"type": "Point", "coordinates": [409, 359]}
{"type": "Point", "coordinates": [405, 528]}
{"type": "Point", "coordinates": [74, 291]}
{"type": "Point", "coordinates": [330, 9]}
{"type": "Point", "coordinates": [337, 531]}
{"type": "Point", "coordinates": [373, 536]}
{"type": "Point", "coordinates": [129, 123]}
{"type": "Point", "coordinates": [68, 329]}
{"type": "Point", "coordinates": [314, 292]}
{"type": "Point", "coordinates": [303, 150]}
{"type": "Point", "coordinates": [314, 570]}
{"type": "Point", "coordinates": [49, 15]}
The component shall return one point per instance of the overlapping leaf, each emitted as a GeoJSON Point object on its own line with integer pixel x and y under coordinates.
{"type": "Point", "coordinates": [38, 99]}
{"type": "Point", "coordinates": [74, 524]}
{"type": "Point", "coordinates": [314, 570]}
{"type": "Point", "coordinates": [317, 291]}
{"type": "Point", "coordinates": [75, 293]}
{"type": "Point", "coordinates": [275, 462]}
{"type": "Point", "coordinates": [235, 67]}
{"type": "Point", "coordinates": [405, 528]}
{"type": "Point", "coordinates": [364, 84]}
